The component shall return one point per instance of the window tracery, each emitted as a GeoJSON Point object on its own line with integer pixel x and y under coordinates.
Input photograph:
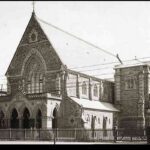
{"type": "Point", "coordinates": [84, 88]}
{"type": "Point", "coordinates": [130, 83]}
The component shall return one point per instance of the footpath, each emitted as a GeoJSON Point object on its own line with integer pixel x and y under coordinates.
{"type": "Point", "coordinates": [71, 143]}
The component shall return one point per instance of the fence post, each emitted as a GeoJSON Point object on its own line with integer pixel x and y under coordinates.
{"type": "Point", "coordinates": [131, 134]}
{"type": "Point", "coordinates": [131, 138]}
{"type": "Point", "coordinates": [115, 134]}
{"type": "Point", "coordinates": [24, 134]}
{"type": "Point", "coordinates": [56, 133]}
{"type": "Point", "coordinates": [54, 136]}
{"type": "Point", "coordinates": [75, 133]}
{"type": "Point", "coordinates": [31, 134]}
{"type": "Point", "coordinates": [39, 134]}
{"type": "Point", "coordinates": [10, 133]}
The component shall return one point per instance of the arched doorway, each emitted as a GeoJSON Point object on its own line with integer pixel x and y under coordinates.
{"type": "Point", "coordinates": [2, 121]}
{"type": "Point", "coordinates": [14, 119]}
{"type": "Point", "coordinates": [39, 119]}
{"type": "Point", "coordinates": [54, 120]}
{"type": "Point", "coordinates": [26, 119]}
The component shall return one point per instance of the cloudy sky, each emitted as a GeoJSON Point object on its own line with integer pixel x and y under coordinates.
{"type": "Point", "coordinates": [118, 27]}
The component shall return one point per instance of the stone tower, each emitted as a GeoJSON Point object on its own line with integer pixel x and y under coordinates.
{"type": "Point", "coordinates": [132, 95]}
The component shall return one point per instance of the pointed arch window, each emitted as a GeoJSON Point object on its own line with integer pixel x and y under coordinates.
{"type": "Point", "coordinates": [95, 91]}
{"type": "Point", "coordinates": [41, 83]}
{"type": "Point", "coordinates": [35, 83]}
{"type": "Point", "coordinates": [84, 88]}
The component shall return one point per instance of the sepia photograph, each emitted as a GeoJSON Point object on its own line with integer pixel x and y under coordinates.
{"type": "Point", "coordinates": [75, 72]}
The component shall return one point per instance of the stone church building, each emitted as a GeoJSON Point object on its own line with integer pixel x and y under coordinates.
{"type": "Point", "coordinates": [44, 90]}
{"type": "Point", "coordinates": [46, 87]}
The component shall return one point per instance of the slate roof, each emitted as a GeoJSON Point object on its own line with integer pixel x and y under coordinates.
{"type": "Point", "coordinates": [77, 55]}
{"type": "Point", "coordinates": [94, 104]}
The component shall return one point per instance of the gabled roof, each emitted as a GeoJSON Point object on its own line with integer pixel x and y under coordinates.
{"type": "Point", "coordinates": [77, 55]}
{"type": "Point", "coordinates": [94, 104]}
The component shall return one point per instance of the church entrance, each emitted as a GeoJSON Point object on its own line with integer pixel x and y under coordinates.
{"type": "Point", "coordinates": [39, 119]}
{"type": "Point", "coordinates": [26, 119]}
{"type": "Point", "coordinates": [14, 123]}
{"type": "Point", "coordinates": [54, 120]}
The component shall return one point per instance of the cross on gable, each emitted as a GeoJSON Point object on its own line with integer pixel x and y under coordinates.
{"type": "Point", "coordinates": [33, 5]}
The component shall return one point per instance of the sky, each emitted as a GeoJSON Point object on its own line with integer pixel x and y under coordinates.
{"type": "Point", "coordinates": [119, 27]}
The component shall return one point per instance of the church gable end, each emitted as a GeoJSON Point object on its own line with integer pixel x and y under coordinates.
{"type": "Point", "coordinates": [34, 39]}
